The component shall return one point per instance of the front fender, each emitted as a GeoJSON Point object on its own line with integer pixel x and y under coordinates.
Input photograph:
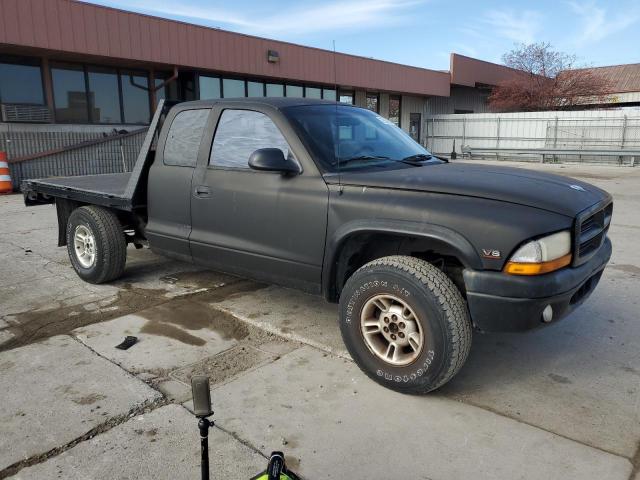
{"type": "Point", "coordinates": [456, 243]}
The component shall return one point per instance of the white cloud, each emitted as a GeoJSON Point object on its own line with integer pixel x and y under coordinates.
{"type": "Point", "coordinates": [465, 49]}
{"type": "Point", "coordinates": [329, 16]}
{"type": "Point", "coordinates": [598, 24]}
{"type": "Point", "coordinates": [521, 27]}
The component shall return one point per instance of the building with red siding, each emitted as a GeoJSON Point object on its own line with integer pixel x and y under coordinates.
{"type": "Point", "coordinates": [73, 63]}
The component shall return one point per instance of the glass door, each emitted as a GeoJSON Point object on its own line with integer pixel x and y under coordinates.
{"type": "Point", "coordinates": [415, 119]}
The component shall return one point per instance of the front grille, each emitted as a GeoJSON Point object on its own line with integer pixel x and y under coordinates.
{"type": "Point", "coordinates": [586, 288]}
{"type": "Point", "coordinates": [590, 231]}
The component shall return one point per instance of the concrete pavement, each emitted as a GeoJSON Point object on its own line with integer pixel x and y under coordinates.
{"type": "Point", "coordinates": [162, 444]}
{"type": "Point", "coordinates": [561, 402]}
{"type": "Point", "coordinates": [329, 414]}
{"type": "Point", "coordinates": [55, 391]}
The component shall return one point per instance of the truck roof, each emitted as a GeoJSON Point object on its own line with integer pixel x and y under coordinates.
{"type": "Point", "coordinates": [277, 102]}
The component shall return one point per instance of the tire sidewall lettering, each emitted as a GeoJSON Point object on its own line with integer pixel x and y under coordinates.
{"type": "Point", "coordinates": [360, 291]}
{"type": "Point", "coordinates": [411, 376]}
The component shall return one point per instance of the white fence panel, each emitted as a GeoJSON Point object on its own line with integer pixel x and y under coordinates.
{"type": "Point", "coordinates": [576, 130]}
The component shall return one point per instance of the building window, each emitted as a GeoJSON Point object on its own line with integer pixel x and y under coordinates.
{"type": "Point", "coordinates": [295, 91]}
{"type": "Point", "coordinates": [183, 140]}
{"type": "Point", "coordinates": [275, 90]}
{"type": "Point", "coordinates": [232, 88]}
{"type": "Point", "coordinates": [395, 109]}
{"type": "Point", "coordinates": [135, 96]}
{"type": "Point", "coordinates": [373, 102]}
{"type": "Point", "coordinates": [345, 132]}
{"type": "Point", "coordinates": [94, 94]}
{"type": "Point", "coordinates": [70, 94]}
{"type": "Point", "coordinates": [346, 96]}
{"type": "Point", "coordinates": [104, 95]}
{"type": "Point", "coordinates": [20, 83]}
{"type": "Point", "coordinates": [209, 87]}
{"type": "Point", "coordinates": [312, 92]}
{"type": "Point", "coordinates": [255, 89]}
{"type": "Point", "coordinates": [329, 94]}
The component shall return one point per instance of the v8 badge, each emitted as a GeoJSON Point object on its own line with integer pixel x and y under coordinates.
{"type": "Point", "coordinates": [490, 253]}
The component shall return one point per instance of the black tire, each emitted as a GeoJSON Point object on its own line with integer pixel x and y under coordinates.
{"type": "Point", "coordinates": [109, 240]}
{"type": "Point", "coordinates": [439, 308]}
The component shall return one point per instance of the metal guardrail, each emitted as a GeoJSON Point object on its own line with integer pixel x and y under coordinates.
{"type": "Point", "coordinates": [543, 152]}
{"type": "Point", "coordinates": [555, 151]}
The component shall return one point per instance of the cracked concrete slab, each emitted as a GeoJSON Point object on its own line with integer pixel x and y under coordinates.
{"type": "Point", "coordinates": [60, 292]}
{"type": "Point", "coordinates": [334, 422]}
{"type": "Point", "coordinates": [578, 379]}
{"type": "Point", "coordinates": [166, 339]}
{"type": "Point", "coordinates": [291, 314]}
{"type": "Point", "coordinates": [163, 444]}
{"type": "Point", "coordinates": [55, 391]}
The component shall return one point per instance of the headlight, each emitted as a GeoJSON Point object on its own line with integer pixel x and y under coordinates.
{"type": "Point", "coordinates": [541, 256]}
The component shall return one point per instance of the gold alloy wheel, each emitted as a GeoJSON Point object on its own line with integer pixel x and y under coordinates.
{"type": "Point", "coordinates": [391, 330]}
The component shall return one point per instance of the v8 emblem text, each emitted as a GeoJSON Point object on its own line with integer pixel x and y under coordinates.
{"type": "Point", "coordinates": [488, 253]}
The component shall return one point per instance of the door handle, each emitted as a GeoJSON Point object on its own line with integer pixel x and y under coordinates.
{"type": "Point", "coordinates": [202, 191]}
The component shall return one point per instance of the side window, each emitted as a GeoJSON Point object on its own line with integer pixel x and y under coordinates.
{"type": "Point", "coordinates": [183, 139]}
{"type": "Point", "coordinates": [239, 134]}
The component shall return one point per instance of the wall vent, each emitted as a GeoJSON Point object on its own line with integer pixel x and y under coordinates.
{"type": "Point", "coordinates": [14, 112]}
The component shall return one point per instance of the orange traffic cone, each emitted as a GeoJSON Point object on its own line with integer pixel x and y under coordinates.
{"type": "Point", "coordinates": [5, 176]}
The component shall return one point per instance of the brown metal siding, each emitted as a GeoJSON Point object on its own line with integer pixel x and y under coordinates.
{"type": "Point", "coordinates": [620, 78]}
{"type": "Point", "coordinates": [467, 71]}
{"type": "Point", "coordinates": [74, 27]}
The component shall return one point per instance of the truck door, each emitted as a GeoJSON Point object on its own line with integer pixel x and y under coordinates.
{"type": "Point", "coordinates": [263, 225]}
{"type": "Point", "coordinates": [169, 183]}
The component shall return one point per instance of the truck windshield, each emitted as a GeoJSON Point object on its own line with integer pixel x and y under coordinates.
{"type": "Point", "coordinates": [348, 138]}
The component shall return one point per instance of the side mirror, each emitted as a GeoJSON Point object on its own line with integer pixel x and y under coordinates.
{"type": "Point", "coordinates": [272, 160]}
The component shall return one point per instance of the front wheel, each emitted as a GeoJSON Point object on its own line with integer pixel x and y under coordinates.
{"type": "Point", "coordinates": [96, 244]}
{"type": "Point", "coordinates": [405, 324]}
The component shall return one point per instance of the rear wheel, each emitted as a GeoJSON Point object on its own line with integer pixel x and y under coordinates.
{"type": "Point", "coordinates": [405, 324]}
{"type": "Point", "coordinates": [96, 244]}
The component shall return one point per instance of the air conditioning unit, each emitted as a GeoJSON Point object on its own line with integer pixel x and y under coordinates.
{"type": "Point", "coordinates": [15, 112]}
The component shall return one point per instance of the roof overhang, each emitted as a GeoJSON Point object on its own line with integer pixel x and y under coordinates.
{"type": "Point", "coordinates": [471, 72]}
{"type": "Point", "coordinates": [67, 29]}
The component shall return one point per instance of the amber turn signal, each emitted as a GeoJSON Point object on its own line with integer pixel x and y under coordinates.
{"type": "Point", "coordinates": [516, 268]}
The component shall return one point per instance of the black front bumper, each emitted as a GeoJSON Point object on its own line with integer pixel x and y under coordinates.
{"type": "Point", "coordinates": [499, 302]}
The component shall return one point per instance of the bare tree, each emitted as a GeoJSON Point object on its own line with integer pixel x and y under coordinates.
{"type": "Point", "coordinates": [548, 81]}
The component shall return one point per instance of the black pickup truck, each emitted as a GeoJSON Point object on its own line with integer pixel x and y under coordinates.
{"type": "Point", "coordinates": [335, 200]}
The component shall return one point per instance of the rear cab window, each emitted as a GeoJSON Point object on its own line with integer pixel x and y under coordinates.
{"type": "Point", "coordinates": [183, 140]}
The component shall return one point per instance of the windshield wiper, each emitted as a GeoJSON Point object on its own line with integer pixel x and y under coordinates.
{"type": "Point", "coordinates": [344, 161]}
{"type": "Point", "coordinates": [413, 160]}
{"type": "Point", "coordinates": [418, 157]}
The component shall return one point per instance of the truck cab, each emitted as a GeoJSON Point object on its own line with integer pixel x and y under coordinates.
{"type": "Point", "coordinates": [259, 221]}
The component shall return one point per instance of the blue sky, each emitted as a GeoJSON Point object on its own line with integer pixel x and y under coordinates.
{"type": "Point", "coordinates": [423, 32]}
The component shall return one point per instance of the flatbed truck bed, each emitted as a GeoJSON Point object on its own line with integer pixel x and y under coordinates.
{"type": "Point", "coordinates": [123, 191]}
